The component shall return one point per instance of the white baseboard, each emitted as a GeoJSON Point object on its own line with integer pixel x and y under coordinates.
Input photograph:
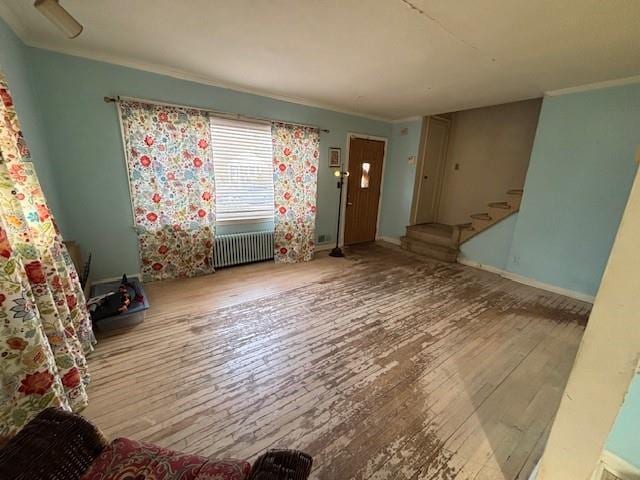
{"type": "Point", "coordinates": [527, 281]}
{"type": "Point", "coordinates": [617, 466]}
{"type": "Point", "coordinates": [394, 240]}
{"type": "Point", "coordinates": [534, 473]}
{"type": "Point", "coordinates": [482, 266]}
{"type": "Point", "coordinates": [609, 462]}
{"type": "Point", "coordinates": [330, 246]}
{"type": "Point", "coordinates": [115, 279]}
{"type": "Point", "coordinates": [462, 260]}
{"type": "Point", "coordinates": [319, 248]}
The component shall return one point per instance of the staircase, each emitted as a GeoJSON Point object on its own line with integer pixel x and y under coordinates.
{"type": "Point", "coordinates": [433, 240]}
{"type": "Point", "coordinates": [442, 242]}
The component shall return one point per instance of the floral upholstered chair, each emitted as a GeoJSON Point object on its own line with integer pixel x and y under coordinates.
{"type": "Point", "coordinates": [58, 445]}
{"type": "Point", "coordinates": [128, 459]}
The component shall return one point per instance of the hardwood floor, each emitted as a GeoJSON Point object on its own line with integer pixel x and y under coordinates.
{"type": "Point", "coordinates": [382, 365]}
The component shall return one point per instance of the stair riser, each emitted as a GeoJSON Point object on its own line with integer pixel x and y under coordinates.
{"type": "Point", "coordinates": [479, 225]}
{"type": "Point", "coordinates": [514, 201]}
{"type": "Point", "coordinates": [466, 235]}
{"type": "Point", "coordinates": [424, 250]}
{"type": "Point", "coordinates": [435, 239]}
{"type": "Point", "coordinates": [498, 214]}
{"type": "Point", "coordinates": [503, 205]}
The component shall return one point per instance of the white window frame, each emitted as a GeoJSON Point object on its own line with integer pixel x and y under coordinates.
{"type": "Point", "coordinates": [267, 214]}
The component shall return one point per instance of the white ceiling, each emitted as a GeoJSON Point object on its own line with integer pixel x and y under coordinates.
{"type": "Point", "coordinates": [383, 58]}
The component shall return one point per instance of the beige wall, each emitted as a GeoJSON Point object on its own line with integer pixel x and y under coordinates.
{"type": "Point", "coordinates": [605, 362]}
{"type": "Point", "coordinates": [492, 146]}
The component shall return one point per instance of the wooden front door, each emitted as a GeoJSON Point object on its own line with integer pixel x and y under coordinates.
{"type": "Point", "coordinates": [363, 190]}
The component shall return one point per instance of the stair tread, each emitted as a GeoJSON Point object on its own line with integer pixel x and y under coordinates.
{"type": "Point", "coordinates": [435, 246]}
{"type": "Point", "coordinates": [481, 216]}
{"type": "Point", "coordinates": [429, 250]}
{"type": "Point", "coordinates": [438, 229]}
{"type": "Point", "coordinates": [502, 205]}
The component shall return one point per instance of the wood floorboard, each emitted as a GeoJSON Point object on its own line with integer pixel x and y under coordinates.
{"type": "Point", "coordinates": [382, 365]}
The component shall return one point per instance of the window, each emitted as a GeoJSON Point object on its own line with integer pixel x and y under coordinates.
{"type": "Point", "coordinates": [243, 167]}
{"type": "Point", "coordinates": [364, 179]}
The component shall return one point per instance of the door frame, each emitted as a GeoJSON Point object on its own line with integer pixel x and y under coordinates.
{"type": "Point", "coordinates": [422, 151]}
{"type": "Point", "coordinates": [345, 168]}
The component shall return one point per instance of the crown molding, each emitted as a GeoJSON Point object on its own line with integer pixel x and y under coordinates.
{"type": "Point", "coordinates": [192, 77]}
{"type": "Point", "coordinates": [618, 82]}
{"type": "Point", "coordinates": [526, 280]}
{"type": "Point", "coordinates": [407, 119]}
{"type": "Point", "coordinates": [20, 30]}
{"type": "Point", "coordinates": [201, 79]}
{"type": "Point", "coordinates": [68, 49]}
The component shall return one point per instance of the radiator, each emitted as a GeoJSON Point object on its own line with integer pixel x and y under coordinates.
{"type": "Point", "coordinates": [238, 248]}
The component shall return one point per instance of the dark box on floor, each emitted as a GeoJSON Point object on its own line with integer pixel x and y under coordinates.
{"type": "Point", "coordinates": [135, 313]}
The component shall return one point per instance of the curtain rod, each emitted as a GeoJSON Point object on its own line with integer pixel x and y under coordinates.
{"type": "Point", "coordinates": [237, 116]}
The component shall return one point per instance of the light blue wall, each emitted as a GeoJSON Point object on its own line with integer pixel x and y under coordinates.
{"type": "Point", "coordinates": [399, 177]}
{"type": "Point", "coordinates": [624, 439]}
{"type": "Point", "coordinates": [84, 138]}
{"type": "Point", "coordinates": [14, 63]}
{"type": "Point", "coordinates": [491, 247]}
{"type": "Point", "coordinates": [576, 188]}
{"type": "Point", "coordinates": [580, 173]}
{"type": "Point", "coordinates": [579, 177]}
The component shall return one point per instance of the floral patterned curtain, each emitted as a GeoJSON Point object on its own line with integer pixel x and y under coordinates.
{"type": "Point", "coordinates": [172, 189]}
{"type": "Point", "coordinates": [295, 160]}
{"type": "Point", "coordinates": [46, 331]}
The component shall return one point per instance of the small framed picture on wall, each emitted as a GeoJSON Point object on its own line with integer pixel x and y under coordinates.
{"type": "Point", "coordinates": [335, 157]}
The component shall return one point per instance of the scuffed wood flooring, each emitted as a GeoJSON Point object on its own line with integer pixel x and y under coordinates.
{"type": "Point", "coordinates": [383, 365]}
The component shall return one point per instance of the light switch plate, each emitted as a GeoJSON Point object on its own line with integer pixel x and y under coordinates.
{"type": "Point", "coordinates": [412, 160]}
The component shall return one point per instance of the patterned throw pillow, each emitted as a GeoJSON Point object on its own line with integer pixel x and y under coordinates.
{"type": "Point", "coordinates": [126, 459]}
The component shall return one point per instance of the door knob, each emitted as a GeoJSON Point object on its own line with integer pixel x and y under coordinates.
{"type": "Point", "coordinates": [426, 177]}
{"type": "Point", "coordinates": [349, 204]}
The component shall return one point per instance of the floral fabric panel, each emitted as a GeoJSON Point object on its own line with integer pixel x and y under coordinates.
{"type": "Point", "coordinates": [62, 275]}
{"type": "Point", "coordinates": [124, 458]}
{"type": "Point", "coordinates": [12, 143]}
{"type": "Point", "coordinates": [30, 377]}
{"type": "Point", "coordinates": [22, 237]}
{"type": "Point", "coordinates": [43, 358]}
{"type": "Point", "coordinates": [295, 159]}
{"type": "Point", "coordinates": [173, 252]}
{"type": "Point", "coordinates": [172, 189]}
